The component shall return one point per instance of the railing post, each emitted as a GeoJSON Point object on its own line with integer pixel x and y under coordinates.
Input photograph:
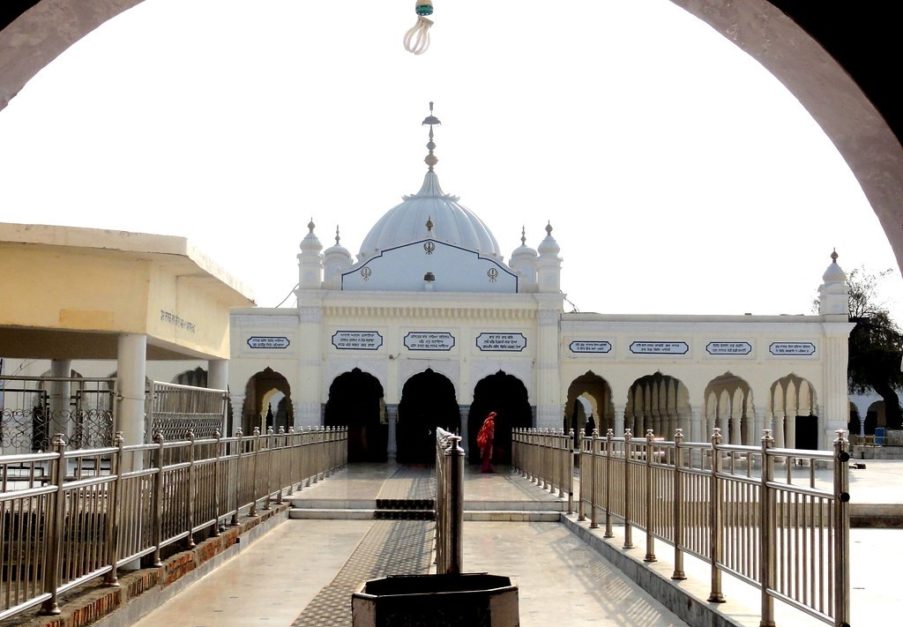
{"type": "Point", "coordinates": [112, 514]}
{"type": "Point", "coordinates": [268, 481]}
{"type": "Point", "coordinates": [678, 510]}
{"type": "Point", "coordinates": [716, 595]}
{"type": "Point", "coordinates": [239, 444]}
{"type": "Point", "coordinates": [593, 508]}
{"type": "Point", "coordinates": [456, 503]}
{"type": "Point", "coordinates": [650, 519]}
{"type": "Point", "coordinates": [609, 437]}
{"type": "Point", "coordinates": [254, 461]}
{"type": "Point", "coordinates": [192, 480]}
{"type": "Point", "coordinates": [766, 532]}
{"type": "Point", "coordinates": [159, 440]}
{"type": "Point", "coordinates": [841, 532]}
{"type": "Point", "coordinates": [628, 528]}
{"type": "Point", "coordinates": [56, 528]}
{"type": "Point", "coordinates": [290, 439]}
{"type": "Point", "coordinates": [279, 466]}
{"type": "Point", "coordinates": [581, 501]}
{"type": "Point", "coordinates": [217, 527]}
{"type": "Point", "coordinates": [569, 468]}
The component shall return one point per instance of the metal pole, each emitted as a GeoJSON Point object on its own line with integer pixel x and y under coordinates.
{"type": "Point", "coordinates": [581, 507]}
{"type": "Point", "coordinates": [112, 514]}
{"type": "Point", "coordinates": [593, 509]}
{"type": "Point", "coordinates": [55, 533]}
{"type": "Point", "coordinates": [650, 536]}
{"type": "Point", "coordinates": [217, 527]}
{"type": "Point", "coordinates": [609, 436]}
{"type": "Point", "coordinates": [767, 532]}
{"type": "Point", "coordinates": [716, 595]}
{"type": "Point", "coordinates": [569, 467]}
{"type": "Point", "coordinates": [628, 529]}
{"type": "Point", "coordinates": [158, 500]}
{"type": "Point", "coordinates": [456, 536]}
{"type": "Point", "coordinates": [841, 531]}
{"type": "Point", "coordinates": [192, 480]}
{"type": "Point", "coordinates": [256, 452]}
{"type": "Point", "coordinates": [239, 445]}
{"type": "Point", "coordinates": [678, 505]}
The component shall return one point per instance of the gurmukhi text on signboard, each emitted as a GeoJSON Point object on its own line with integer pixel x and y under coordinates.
{"type": "Point", "coordinates": [504, 342]}
{"type": "Point", "coordinates": [803, 349]}
{"type": "Point", "coordinates": [590, 346]}
{"type": "Point", "coordinates": [659, 348]}
{"type": "Point", "coordinates": [429, 341]}
{"type": "Point", "coordinates": [728, 348]}
{"type": "Point", "coordinates": [357, 340]}
{"type": "Point", "coordinates": [259, 341]}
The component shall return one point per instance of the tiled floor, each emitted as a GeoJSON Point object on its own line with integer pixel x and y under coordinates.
{"type": "Point", "coordinates": [303, 572]}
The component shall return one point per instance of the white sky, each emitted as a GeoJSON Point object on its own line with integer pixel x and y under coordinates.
{"type": "Point", "coordinates": [679, 175]}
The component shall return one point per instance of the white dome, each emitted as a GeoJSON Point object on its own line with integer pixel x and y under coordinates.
{"type": "Point", "coordinates": [452, 223]}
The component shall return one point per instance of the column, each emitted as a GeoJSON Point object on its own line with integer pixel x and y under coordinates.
{"type": "Point", "coordinates": [238, 404]}
{"type": "Point", "coordinates": [131, 372]}
{"type": "Point", "coordinates": [392, 419]}
{"type": "Point", "coordinates": [778, 426]}
{"type": "Point", "coordinates": [548, 378]}
{"type": "Point", "coordinates": [835, 400]}
{"type": "Point", "coordinates": [60, 399]}
{"type": "Point", "coordinates": [218, 374]}
{"type": "Point", "coordinates": [619, 420]}
{"type": "Point", "coordinates": [308, 383]}
{"type": "Point", "coordinates": [464, 410]}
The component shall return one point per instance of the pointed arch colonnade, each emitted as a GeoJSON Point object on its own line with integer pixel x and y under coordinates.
{"type": "Point", "coordinates": [663, 403]}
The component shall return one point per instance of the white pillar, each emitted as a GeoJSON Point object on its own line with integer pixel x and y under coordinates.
{"type": "Point", "coordinates": [619, 420]}
{"type": "Point", "coordinates": [834, 401]}
{"type": "Point", "coordinates": [218, 374]}
{"type": "Point", "coordinates": [238, 405]}
{"type": "Point", "coordinates": [60, 393]}
{"type": "Point", "coordinates": [307, 388]}
{"type": "Point", "coordinates": [778, 426]}
{"type": "Point", "coordinates": [548, 380]}
{"type": "Point", "coordinates": [131, 369]}
{"type": "Point", "coordinates": [392, 419]}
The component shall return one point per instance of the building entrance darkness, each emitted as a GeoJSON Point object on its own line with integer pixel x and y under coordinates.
{"type": "Point", "coordinates": [506, 395]}
{"type": "Point", "coordinates": [807, 432]}
{"type": "Point", "coordinates": [263, 387]}
{"type": "Point", "coordinates": [588, 395]}
{"type": "Point", "coordinates": [427, 401]}
{"type": "Point", "coordinates": [356, 401]}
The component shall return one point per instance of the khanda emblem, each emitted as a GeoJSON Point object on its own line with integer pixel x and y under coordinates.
{"type": "Point", "coordinates": [493, 274]}
{"type": "Point", "coordinates": [366, 272]}
{"type": "Point", "coordinates": [429, 247]}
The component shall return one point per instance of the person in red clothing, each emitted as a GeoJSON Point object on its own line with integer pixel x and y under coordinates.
{"type": "Point", "coordinates": [485, 439]}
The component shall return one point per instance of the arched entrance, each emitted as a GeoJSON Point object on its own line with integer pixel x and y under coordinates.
{"type": "Point", "coordinates": [793, 406]}
{"type": "Point", "coordinates": [506, 395]}
{"type": "Point", "coordinates": [729, 407]}
{"type": "Point", "coordinates": [427, 401]}
{"type": "Point", "coordinates": [589, 395]}
{"type": "Point", "coordinates": [658, 402]}
{"type": "Point", "coordinates": [268, 402]}
{"type": "Point", "coordinates": [356, 401]}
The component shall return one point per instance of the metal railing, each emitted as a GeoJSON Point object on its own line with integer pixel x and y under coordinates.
{"type": "Point", "coordinates": [32, 409]}
{"type": "Point", "coordinates": [174, 409]}
{"type": "Point", "coordinates": [68, 517]}
{"type": "Point", "coordinates": [449, 503]}
{"type": "Point", "coordinates": [787, 533]}
{"type": "Point", "coordinates": [545, 458]}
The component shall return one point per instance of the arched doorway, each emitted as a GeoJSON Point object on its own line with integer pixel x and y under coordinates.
{"type": "Point", "coordinates": [793, 405]}
{"type": "Point", "coordinates": [267, 390]}
{"type": "Point", "coordinates": [729, 407]}
{"type": "Point", "coordinates": [427, 401]}
{"type": "Point", "coordinates": [196, 378]}
{"type": "Point", "coordinates": [356, 401]}
{"type": "Point", "coordinates": [506, 395]}
{"type": "Point", "coordinates": [589, 395]}
{"type": "Point", "coordinates": [658, 402]}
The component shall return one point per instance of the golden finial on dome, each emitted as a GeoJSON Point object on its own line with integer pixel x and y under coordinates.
{"type": "Point", "coordinates": [431, 119]}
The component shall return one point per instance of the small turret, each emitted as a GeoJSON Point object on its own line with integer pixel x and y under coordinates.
{"type": "Point", "coordinates": [834, 293]}
{"type": "Point", "coordinates": [310, 261]}
{"type": "Point", "coordinates": [523, 261]}
{"type": "Point", "coordinates": [336, 260]}
{"type": "Point", "coordinates": [549, 263]}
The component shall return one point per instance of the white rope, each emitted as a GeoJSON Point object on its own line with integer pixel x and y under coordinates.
{"type": "Point", "coordinates": [417, 39]}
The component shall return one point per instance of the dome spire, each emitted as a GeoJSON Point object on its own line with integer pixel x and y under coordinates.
{"type": "Point", "coordinates": [431, 159]}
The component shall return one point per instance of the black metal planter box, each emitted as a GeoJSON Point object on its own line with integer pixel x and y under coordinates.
{"type": "Point", "coordinates": [473, 599]}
